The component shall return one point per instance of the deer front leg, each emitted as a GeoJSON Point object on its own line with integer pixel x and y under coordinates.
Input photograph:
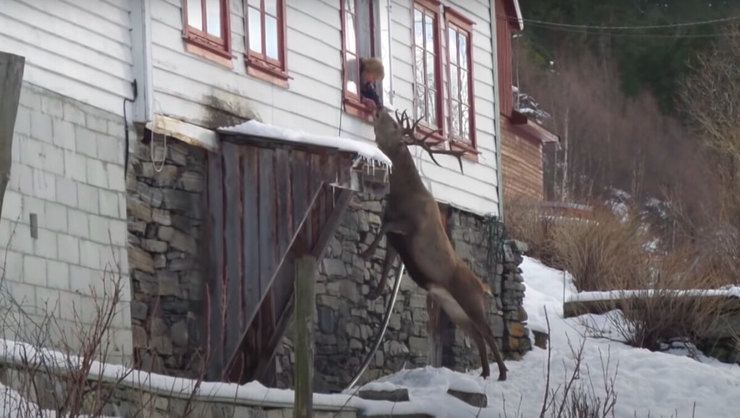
{"type": "Point", "coordinates": [390, 258]}
{"type": "Point", "coordinates": [387, 226]}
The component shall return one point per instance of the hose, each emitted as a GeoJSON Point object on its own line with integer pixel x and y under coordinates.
{"type": "Point", "coordinates": [381, 334]}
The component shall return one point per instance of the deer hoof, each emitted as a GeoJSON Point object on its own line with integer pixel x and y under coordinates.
{"type": "Point", "coordinates": [484, 374]}
{"type": "Point", "coordinates": [502, 376]}
{"type": "Point", "coordinates": [374, 294]}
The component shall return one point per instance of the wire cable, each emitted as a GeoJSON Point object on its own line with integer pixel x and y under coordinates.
{"type": "Point", "coordinates": [635, 27]}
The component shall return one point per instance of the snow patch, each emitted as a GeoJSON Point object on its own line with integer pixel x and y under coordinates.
{"type": "Point", "coordinates": [366, 151]}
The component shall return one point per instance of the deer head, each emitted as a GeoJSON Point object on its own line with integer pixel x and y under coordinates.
{"type": "Point", "coordinates": [392, 133]}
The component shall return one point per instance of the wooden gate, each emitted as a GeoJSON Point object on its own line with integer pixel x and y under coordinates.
{"type": "Point", "coordinates": [268, 204]}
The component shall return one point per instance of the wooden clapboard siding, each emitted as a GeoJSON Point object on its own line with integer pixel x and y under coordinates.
{"type": "Point", "coordinates": [185, 84]}
{"type": "Point", "coordinates": [77, 48]}
{"type": "Point", "coordinates": [267, 204]}
{"type": "Point", "coordinates": [522, 165]}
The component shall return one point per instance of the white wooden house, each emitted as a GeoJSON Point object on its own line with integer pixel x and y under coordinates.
{"type": "Point", "coordinates": [186, 67]}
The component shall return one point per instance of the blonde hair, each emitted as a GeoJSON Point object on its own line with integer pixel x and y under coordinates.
{"type": "Point", "coordinates": [372, 65]}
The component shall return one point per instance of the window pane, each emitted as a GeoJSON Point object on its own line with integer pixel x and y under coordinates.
{"type": "Point", "coordinates": [429, 32]}
{"type": "Point", "coordinates": [452, 45]}
{"type": "Point", "coordinates": [419, 101]}
{"type": "Point", "coordinates": [465, 123]}
{"type": "Point", "coordinates": [463, 46]}
{"type": "Point", "coordinates": [364, 28]}
{"type": "Point", "coordinates": [455, 117]}
{"type": "Point", "coordinates": [454, 81]}
{"type": "Point", "coordinates": [432, 108]}
{"type": "Point", "coordinates": [464, 87]}
{"type": "Point", "coordinates": [350, 40]}
{"type": "Point", "coordinates": [255, 30]}
{"type": "Point", "coordinates": [352, 67]}
{"type": "Point", "coordinates": [271, 37]}
{"type": "Point", "coordinates": [419, 61]}
{"type": "Point", "coordinates": [255, 3]}
{"type": "Point", "coordinates": [213, 17]}
{"type": "Point", "coordinates": [430, 70]}
{"type": "Point", "coordinates": [195, 15]}
{"type": "Point", "coordinates": [418, 28]}
{"type": "Point", "coordinates": [271, 7]}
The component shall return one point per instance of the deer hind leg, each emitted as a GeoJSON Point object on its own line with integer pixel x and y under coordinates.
{"type": "Point", "coordinates": [486, 332]}
{"type": "Point", "coordinates": [390, 258]}
{"type": "Point", "coordinates": [480, 342]}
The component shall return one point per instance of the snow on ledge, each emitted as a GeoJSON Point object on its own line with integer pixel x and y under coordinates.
{"type": "Point", "coordinates": [365, 151]}
{"type": "Point", "coordinates": [728, 291]}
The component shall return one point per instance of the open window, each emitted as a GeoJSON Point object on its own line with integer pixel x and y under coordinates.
{"type": "Point", "coordinates": [461, 120]}
{"type": "Point", "coordinates": [358, 41]}
{"type": "Point", "coordinates": [427, 65]}
{"type": "Point", "coordinates": [265, 39]}
{"type": "Point", "coordinates": [206, 28]}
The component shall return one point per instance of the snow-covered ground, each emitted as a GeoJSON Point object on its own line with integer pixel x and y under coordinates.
{"type": "Point", "coordinates": [646, 383]}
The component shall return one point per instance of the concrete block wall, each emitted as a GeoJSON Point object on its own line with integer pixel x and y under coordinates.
{"type": "Point", "coordinates": [67, 170]}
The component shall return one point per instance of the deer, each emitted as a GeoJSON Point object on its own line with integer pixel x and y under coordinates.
{"type": "Point", "coordinates": [412, 225]}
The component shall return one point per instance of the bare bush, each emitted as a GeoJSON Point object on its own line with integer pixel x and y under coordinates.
{"type": "Point", "coordinates": [61, 379]}
{"type": "Point", "coordinates": [605, 253]}
{"type": "Point", "coordinates": [577, 397]}
{"type": "Point", "coordinates": [526, 221]}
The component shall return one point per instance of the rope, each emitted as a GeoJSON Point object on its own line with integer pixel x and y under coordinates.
{"type": "Point", "coordinates": [381, 334]}
{"type": "Point", "coordinates": [158, 165]}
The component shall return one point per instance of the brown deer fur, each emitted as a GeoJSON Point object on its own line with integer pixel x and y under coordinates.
{"type": "Point", "coordinates": [413, 226]}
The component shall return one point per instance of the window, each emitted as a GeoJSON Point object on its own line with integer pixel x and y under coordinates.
{"type": "Point", "coordinates": [358, 41]}
{"type": "Point", "coordinates": [427, 64]}
{"type": "Point", "coordinates": [207, 26]}
{"type": "Point", "coordinates": [461, 127]}
{"type": "Point", "coordinates": [265, 38]}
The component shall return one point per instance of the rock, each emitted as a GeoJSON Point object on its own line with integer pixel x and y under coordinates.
{"type": "Point", "coordinates": [334, 267]}
{"type": "Point", "coordinates": [397, 395]}
{"type": "Point", "coordinates": [191, 181]}
{"type": "Point", "coordinates": [140, 259]}
{"type": "Point", "coordinates": [161, 216]}
{"type": "Point", "coordinates": [154, 246]}
{"type": "Point", "coordinates": [540, 339]}
{"type": "Point", "coordinates": [139, 310]}
{"type": "Point", "coordinates": [478, 400]}
{"type": "Point", "coordinates": [138, 210]}
{"type": "Point", "coordinates": [179, 334]}
{"type": "Point", "coordinates": [516, 329]}
{"type": "Point", "coordinates": [327, 320]}
{"type": "Point", "coordinates": [168, 283]}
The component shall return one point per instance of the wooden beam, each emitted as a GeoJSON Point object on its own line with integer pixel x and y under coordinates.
{"type": "Point", "coordinates": [185, 132]}
{"type": "Point", "coordinates": [305, 300]}
{"type": "Point", "coordinates": [11, 79]}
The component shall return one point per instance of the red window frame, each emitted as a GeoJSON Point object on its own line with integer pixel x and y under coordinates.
{"type": "Point", "coordinates": [200, 38]}
{"type": "Point", "coordinates": [463, 27]}
{"type": "Point", "coordinates": [258, 63]}
{"type": "Point", "coordinates": [353, 102]}
{"type": "Point", "coordinates": [430, 8]}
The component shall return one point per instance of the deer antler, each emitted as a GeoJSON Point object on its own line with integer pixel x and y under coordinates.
{"type": "Point", "coordinates": [409, 134]}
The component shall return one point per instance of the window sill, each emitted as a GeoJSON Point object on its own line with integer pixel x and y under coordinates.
{"type": "Point", "coordinates": [197, 48]}
{"type": "Point", "coordinates": [470, 152]}
{"type": "Point", "coordinates": [358, 109]}
{"type": "Point", "coordinates": [266, 72]}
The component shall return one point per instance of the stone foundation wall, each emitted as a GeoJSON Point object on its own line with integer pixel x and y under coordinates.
{"type": "Point", "coordinates": [166, 225]}
{"type": "Point", "coordinates": [347, 321]}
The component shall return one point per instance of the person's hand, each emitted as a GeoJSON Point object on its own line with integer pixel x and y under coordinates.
{"type": "Point", "coordinates": [369, 103]}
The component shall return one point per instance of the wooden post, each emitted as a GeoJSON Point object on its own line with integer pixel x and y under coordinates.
{"type": "Point", "coordinates": [11, 79]}
{"type": "Point", "coordinates": [305, 300]}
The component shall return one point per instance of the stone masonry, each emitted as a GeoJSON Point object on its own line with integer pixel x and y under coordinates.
{"type": "Point", "coordinates": [63, 222]}
{"type": "Point", "coordinates": [347, 322]}
{"type": "Point", "coordinates": [166, 218]}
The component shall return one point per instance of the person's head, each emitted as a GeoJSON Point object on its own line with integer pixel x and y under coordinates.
{"type": "Point", "coordinates": [371, 70]}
